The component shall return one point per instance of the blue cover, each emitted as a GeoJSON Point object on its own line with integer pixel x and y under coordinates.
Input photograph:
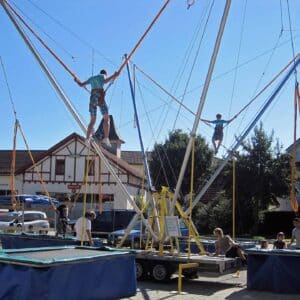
{"type": "Point", "coordinates": [209, 245]}
{"type": "Point", "coordinates": [23, 240]}
{"type": "Point", "coordinates": [106, 277]}
{"type": "Point", "coordinates": [274, 271]}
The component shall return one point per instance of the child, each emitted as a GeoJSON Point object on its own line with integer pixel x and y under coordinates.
{"type": "Point", "coordinates": [280, 243]}
{"type": "Point", "coordinates": [264, 244]}
{"type": "Point", "coordinates": [218, 133]}
{"type": "Point", "coordinates": [97, 98]}
{"type": "Point", "coordinates": [30, 229]}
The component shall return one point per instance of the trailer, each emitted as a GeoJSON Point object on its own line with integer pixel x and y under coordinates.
{"type": "Point", "coordinates": [152, 265]}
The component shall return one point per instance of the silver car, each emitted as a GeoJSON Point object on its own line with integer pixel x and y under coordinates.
{"type": "Point", "coordinates": [28, 221]}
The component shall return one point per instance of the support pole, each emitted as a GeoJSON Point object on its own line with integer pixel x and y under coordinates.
{"type": "Point", "coordinates": [147, 171]}
{"type": "Point", "coordinates": [233, 196]}
{"type": "Point", "coordinates": [201, 103]}
{"type": "Point", "coordinates": [76, 116]}
{"type": "Point", "coordinates": [246, 132]}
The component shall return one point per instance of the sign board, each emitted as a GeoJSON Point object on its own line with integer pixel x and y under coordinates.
{"type": "Point", "coordinates": [172, 226]}
{"type": "Point", "coordinates": [74, 186]}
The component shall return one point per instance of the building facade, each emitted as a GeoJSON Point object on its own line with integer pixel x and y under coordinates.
{"type": "Point", "coordinates": [72, 169]}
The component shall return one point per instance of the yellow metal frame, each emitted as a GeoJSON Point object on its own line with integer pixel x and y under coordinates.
{"type": "Point", "coordinates": [180, 269]}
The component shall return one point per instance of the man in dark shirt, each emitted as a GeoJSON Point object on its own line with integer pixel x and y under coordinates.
{"type": "Point", "coordinates": [62, 219]}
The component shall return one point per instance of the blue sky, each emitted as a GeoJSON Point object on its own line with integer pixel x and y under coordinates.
{"type": "Point", "coordinates": [92, 34]}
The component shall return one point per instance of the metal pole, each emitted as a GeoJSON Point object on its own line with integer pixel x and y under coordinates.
{"type": "Point", "coordinates": [201, 103]}
{"type": "Point", "coordinates": [243, 136]}
{"type": "Point", "coordinates": [74, 113]}
{"type": "Point", "coordinates": [233, 197]}
{"type": "Point", "coordinates": [149, 180]}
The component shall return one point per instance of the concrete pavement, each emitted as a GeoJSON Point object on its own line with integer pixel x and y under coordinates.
{"type": "Point", "coordinates": [224, 287]}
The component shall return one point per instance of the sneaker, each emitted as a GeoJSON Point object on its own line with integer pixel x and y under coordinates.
{"type": "Point", "coordinates": [106, 142]}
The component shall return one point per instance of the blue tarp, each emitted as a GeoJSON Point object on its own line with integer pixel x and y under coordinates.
{"type": "Point", "coordinates": [274, 271]}
{"type": "Point", "coordinates": [110, 276]}
{"type": "Point", "coordinates": [23, 240]}
{"type": "Point", "coordinates": [29, 200]}
{"type": "Point", "coordinates": [209, 245]}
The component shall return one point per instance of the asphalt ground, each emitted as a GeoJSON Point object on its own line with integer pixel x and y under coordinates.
{"type": "Point", "coordinates": [230, 286]}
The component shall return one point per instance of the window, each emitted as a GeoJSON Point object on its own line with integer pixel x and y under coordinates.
{"type": "Point", "coordinates": [90, 164]}
{"type": "Point", "coordinates": [29, 217]}
{"type": "Point", "coordinates": [60, 167]}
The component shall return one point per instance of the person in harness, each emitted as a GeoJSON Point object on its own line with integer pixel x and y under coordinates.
{"type": "Point", "coordinates": [218, 132]}
{"type": "Point", "coordinates": [97, 98]}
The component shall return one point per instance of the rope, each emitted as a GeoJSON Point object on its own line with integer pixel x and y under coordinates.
{"type": "Point", "coordinates": [100, 186]}
{"type": "Point", "coordinates": [143, 36]}
{"type": "Point", "coordinates": [164, 90]}
{"type": "Point", "coordinates": [244, 63]}
{"type": "Point", "coordinates": [237, 63]}
{"type": "Point", "coordinates": [13, 168]}
{"type": "Point", "coordinates": [194, 62]}
{"type": "Point", "coordinates": [35, 167]}
{"type": "Point", "coordinates": [281, 17]}
{"type": "Point", "coordinates": [84, 197]}
{"type": "Point", "coordinates": [292, 38]}
{"type": "Point", "coordinates": [13, 160]}
{"type": "Point", "coordinates": [43, 43]}
{"type": "Point", "coordinates": [71, 32]}
{"type": "Point", "coordinates": [43, 31]}
{"type": "Point", "coordinates": [263, 89]}
{"type": "Point", "coordinates": [184, 61]}
{"type": "Point", "coordinates": [152, 131]}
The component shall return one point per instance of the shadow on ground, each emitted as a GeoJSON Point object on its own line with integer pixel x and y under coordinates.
{"type": "Point", "coordinates": [189, 287]}
{"type": "Point", "coordinates": [245, 294]}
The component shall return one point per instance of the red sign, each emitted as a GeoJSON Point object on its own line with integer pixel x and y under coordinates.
{"type": "Point", "coordinates": [74, 186]}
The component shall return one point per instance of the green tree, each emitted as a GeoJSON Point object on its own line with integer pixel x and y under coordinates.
{"type": "Point", "coordinates": [167, 159]}
{"type": "Point", "coordinates": [262, 175]}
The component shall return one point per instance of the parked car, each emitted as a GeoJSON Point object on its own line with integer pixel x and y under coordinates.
{"type": "Point", "coordinates": [28, 201]}
{"type": "Point", "coordinates": [30, 220]}
{"type": "Point", "coordinates": [138, 236]}
{"type": "Point", "coordinates": [111, 220]}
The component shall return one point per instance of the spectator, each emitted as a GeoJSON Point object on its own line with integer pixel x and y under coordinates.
{"type": "Point", "coordinates": [279, 243]}
{"type": "Point", "coordinates": [62, 219]}
{"type": "Point", "coordinates": [83, 228]}
{"type": "Point", "coordinates": [226, 246]}
{"type": "Point", "coordinates": [30, 229]}
{"type": "Point", "coordinates": [264, 244]}
{"type": "Point", "coordinates": [296, 233]}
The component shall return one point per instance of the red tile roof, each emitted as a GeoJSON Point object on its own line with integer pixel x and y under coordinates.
{"type": "Point", "coordinates": [22, 158]}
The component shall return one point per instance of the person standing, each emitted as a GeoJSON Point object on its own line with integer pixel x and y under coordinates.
{"type": "Point", "coordinates": [97, 98]}
{"type": "Point", "coordinates": [296, 233]}
{"type": "Point", "coordinates": [62, 212]}
{"type": "Point", "coordinates": [83, 228]}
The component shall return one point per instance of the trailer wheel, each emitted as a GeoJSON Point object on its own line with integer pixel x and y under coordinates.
{"type": "Point", "coordinates": [141, 271]}
{"type": "Point", "coordinates": [161, 272]}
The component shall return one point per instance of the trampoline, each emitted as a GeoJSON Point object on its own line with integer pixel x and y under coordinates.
{"type": "Point", "coordinates": [273, 270]}
{"type": "Point", "coordinates": [67, 273]}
